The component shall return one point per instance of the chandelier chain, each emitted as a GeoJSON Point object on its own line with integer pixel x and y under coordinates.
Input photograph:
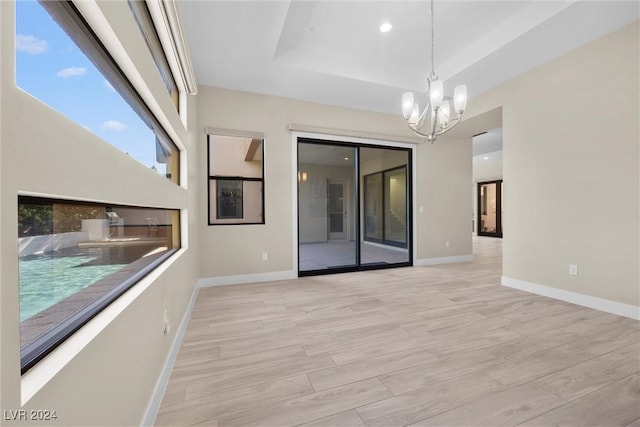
{"type": "Point", "coordinates": [439, 115]}
{"type": "Point", "coordinates": [433, 44]}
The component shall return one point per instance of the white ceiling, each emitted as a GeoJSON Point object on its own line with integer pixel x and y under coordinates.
{"type": "Point", "coordinates": [332, 52]}
{"type": "Point", "coordinates": [488, 142]}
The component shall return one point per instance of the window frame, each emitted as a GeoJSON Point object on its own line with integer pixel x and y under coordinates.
{"type": "Point", "coordinates": [147, 27]}
{"type": "Point", "coordinates": [70, 20]}
{"type": "Point", "coordinates": [47, 342]}
{"type": "Point", "coordinates": [211, 179]}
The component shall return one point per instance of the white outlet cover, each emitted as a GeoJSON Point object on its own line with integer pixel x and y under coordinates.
{"type": "Point", "coordinates": [573, 269]}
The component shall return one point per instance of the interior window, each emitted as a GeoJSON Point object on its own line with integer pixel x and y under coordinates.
{"type": "Point", "coordinates": [236, 180]}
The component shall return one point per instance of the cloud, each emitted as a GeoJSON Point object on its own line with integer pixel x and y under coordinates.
{"type": "Point", "coordinates": [108, 85]}
{"type": "Point", "coordinates": [31, 44]}
{"type": "Point", "coordinates": [65, 73]}
{"type": "Point", "coordinates": [113, 126]}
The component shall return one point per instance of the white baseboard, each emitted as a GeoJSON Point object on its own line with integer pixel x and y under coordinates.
{"type": "Point", "coordinates": [247, 278]}
{"type": "Point", "coordinates": [161, 385]}
{"type": "Point", "coordinates": [596, 303]}
{"type": "Point", "coordinates": [443, 260]}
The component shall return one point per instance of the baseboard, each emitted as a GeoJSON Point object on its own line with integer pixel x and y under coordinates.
{"type": "Point", "coordinates": [247, 278]}
{"type": "Point", "coordinates": [443, 260]}
{"type": "Point", "coordinates": [596, 303]}
{"type": "Point", "coordinates": [161, 385]}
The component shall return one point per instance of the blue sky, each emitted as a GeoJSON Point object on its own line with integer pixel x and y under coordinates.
{"type": "Point", "coordinates": [53, 69]}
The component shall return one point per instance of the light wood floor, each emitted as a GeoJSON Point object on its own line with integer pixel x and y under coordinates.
{"type": "Point", "coordinates": [438, 346]}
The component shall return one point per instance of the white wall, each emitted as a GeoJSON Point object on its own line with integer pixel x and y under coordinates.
{"type": "Point", "coordinates": [444, 197]}
{"type": "Point", "coordinates": [106, 373]}
{"type": "Point", "coordinates": [487, 170]}
{"type": "Point", "coordinates": [571, 170]}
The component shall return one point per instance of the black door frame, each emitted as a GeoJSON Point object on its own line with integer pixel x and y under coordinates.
{"type": "Point", "coordinates": [384, 240]}
{"type": "Point", "coordinates": [358, 265]}
{"type": "Point", "coordinates": [498, 232]}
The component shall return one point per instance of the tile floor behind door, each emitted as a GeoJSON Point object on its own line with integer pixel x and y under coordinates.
{"type": "Point", "coordinates": [340, 253]}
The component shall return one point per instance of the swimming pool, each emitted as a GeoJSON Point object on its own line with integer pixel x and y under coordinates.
{"type": "Point", "coordinates": [48, 278]}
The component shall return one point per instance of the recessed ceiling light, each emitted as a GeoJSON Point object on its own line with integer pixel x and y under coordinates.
{"type": "Point", "coordinates": [385, 27]}
{"type": "Point", "coordinates": [486, 158]}
{"type": "Point", "coordinates": [346, 158]}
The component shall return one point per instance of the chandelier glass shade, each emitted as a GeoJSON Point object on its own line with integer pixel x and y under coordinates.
{"type": "Point", "coordinates": [436, 118]}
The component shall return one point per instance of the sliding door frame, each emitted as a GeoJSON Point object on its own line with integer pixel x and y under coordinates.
{"type": "Point", "coordinates": [357, 143]}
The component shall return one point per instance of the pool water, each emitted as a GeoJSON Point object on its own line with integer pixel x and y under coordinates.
{"type": "Point", "coordinates": [49, 278]}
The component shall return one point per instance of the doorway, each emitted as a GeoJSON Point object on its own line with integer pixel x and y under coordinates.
{"type": "Point", "coordinates": [354, 207]}
{"type": "Point", "coordinates": [338, 210]}
{"type": "Point", "coordinates": [490, 208]}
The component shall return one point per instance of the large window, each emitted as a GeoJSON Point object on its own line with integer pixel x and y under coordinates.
{"type": "Point", "coordinates": [236, 183]}
{"type": "Point", "coordinates": [76, 258]}
{"type": "Point", "coordinates": [60, 61]}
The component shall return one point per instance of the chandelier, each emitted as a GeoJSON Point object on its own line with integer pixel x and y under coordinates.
{"type": "Point", "coordinates": [436, 118]}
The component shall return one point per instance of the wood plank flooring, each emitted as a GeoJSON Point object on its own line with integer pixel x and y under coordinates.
{"type": "Point", "coordinates": [423, 346]}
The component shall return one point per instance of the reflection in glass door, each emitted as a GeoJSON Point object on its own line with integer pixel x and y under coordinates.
{"type": "Point", "coordinates": [326, 207]}
{"type": "Point", "coordinates": [385, 217]}
{"type": "Point", "coordinates": [395, 207]}
{"type": "Point", "coordinates": [353, 207]}
{"type": "Point", "coordinates": [385, 200]}
{"type": "Point", "coordinates": [490, 208]}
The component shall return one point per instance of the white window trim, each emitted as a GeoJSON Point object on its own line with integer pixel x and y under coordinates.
{"type": "Point", "coordinates": [99, 24]}
{"type": "Point", "coordinates": [166, 18]}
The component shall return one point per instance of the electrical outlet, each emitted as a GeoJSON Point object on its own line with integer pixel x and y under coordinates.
{"type": "Point", "coordinates": [573, 269]}
{"type": "Point", "coordinates": [265, 256]}
{"type": "Point", "coordinates": [446, 244]}
{"type": "Point", "coordinates": [421, 209]}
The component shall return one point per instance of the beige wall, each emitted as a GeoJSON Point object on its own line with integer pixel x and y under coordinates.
{"type": "Point", "coordinates": [443, 192]}
{"type": "Point", "coordinates": [444, 199]}
{"type": "Point", "coordinates": [227, 157]}
{"type": "Point", "coordinates": [571, 147]}
{"type": "Point", "coordinates": [111, 379]}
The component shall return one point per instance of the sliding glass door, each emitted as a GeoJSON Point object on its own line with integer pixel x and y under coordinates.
{"type": "Point", "coordinates": [385, 218]}
{"type": "Point", "coordinates": [353, 207]}
{"type": "Point", "coordinates": [326, 206]}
